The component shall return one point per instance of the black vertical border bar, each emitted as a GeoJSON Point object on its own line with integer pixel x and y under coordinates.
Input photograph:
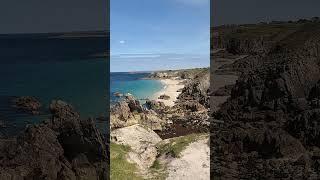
{"type": "Point", "coordinates": [108, 80]}
{"type": "Point", "coordinates": [211, 86]}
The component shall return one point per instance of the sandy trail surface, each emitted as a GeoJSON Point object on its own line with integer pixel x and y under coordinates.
{"type": "Point", "coordinates": [194, 163]}
{"type": "Point", "coordinates": [171, 89]}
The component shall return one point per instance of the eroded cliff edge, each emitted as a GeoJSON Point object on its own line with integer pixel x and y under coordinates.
{"type": "Point", "coordinates": [62, 147]}
{"type": "Point", "coordinates": [269, 126]}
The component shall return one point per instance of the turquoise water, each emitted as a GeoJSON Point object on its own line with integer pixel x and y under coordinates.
{"type": "Point", "coordinates": [134, 84]}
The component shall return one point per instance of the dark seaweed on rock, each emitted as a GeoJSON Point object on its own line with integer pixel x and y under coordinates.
{"type": "Point", "coordinates": [271, 122]}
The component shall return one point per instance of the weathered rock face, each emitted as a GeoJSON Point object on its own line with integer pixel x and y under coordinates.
{"type": "Point", "coordinates": [192, 106]}
{"type": "Point", "coordinates": [129, 112]}
{"type": "Point", "coordinates": [269, 126]}
{"type": "Point", "coordinates": [27, 104]}
{"type": "Point", "coordinates": [64, 147]}
{"type": "Point", "coordinates": [197, 89]}
{"type": "Point", "coordinates": [133, 104]}
{"type": "Point", "coordinates": [155, 105]}
{"type": "Point", "coordinates": [142, 142]}
{"type": "Point", "coordinates": [224, 91]}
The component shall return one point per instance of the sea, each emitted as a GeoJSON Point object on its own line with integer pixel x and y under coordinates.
{"type": "Point", "coordinates": [134, 83]}
{"type": "Point", "coordinates": [48, 67]}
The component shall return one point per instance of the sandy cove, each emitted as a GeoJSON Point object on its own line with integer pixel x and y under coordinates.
{"type": "Point", "coordinates": [171, 88]}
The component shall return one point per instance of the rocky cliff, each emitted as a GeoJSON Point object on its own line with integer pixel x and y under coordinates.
{"type": "Point", "coordinates": [197, 82]}
{"type": "Point", "coordinates": [255, 39]}
{"type": "Point", "coordinates": [269, 126]}
{"type": "Point", "coordinates": [63, 147]}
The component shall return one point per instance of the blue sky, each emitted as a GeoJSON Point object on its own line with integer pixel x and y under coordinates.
{"type": "Point", "coordinates": [151, 35]}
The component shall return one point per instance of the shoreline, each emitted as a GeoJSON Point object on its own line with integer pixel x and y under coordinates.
{"type": "Point", "coordinates": [171, 87]}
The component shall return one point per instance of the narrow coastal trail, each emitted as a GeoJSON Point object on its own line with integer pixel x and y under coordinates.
{"type": "Point", "coordinates": [194, 162]}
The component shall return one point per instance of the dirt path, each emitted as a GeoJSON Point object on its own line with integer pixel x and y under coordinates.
{"type": "Point", "coordinates": [194, 163]}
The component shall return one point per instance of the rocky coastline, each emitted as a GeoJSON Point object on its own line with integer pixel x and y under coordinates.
{"type": "Point", "coordinates": [62, 147]}
{"type": "Point", "coordinates": [267, 128]}
{"type": "Point", "coordinates": [156, 123]}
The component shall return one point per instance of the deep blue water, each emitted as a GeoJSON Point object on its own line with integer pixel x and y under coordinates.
{"type": "Point", "coordinates": [52, 68]}
{"type": "Point", "coordinates": [134, 84]}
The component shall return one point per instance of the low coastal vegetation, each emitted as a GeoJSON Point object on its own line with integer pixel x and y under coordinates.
{"type": "Point", "coordinates": [174, 146]}
{"type": "Point", "coordinates": [120, 168]}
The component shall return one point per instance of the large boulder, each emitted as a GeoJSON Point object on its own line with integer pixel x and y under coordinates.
{"type": "Point", "coordinates": [129, 112]}
{"type": "Point", "coordinates": [154, 105]}
{"type": "Point", "coordinates": [142, 142]}
{"type": "Point", "coordinates": [122, 116]}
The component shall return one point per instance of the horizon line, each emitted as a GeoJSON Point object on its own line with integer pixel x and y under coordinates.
{"type": "Point", "coordinates": [148, 71]}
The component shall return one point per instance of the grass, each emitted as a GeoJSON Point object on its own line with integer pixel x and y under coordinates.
{"type": "Point", "coordinates": [121, 169]}
{"type": "Point", "coordinates": [158, 171]}
{"type": "Point", "coordinates": [156, 165]}
{"type": "Point", "coordinates": [177, 145]}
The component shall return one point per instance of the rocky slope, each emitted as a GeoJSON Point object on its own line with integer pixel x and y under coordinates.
{"type": "Point", "coordinates": [269, 126]}
{"type": "Point", "coordinates": [63, 147]}
{"type": "Point", "coordinates": [258, 39]}
{"type": "Point", "coordinates": [197, 82]}
{"type": "Point", "coordinates": [142, 127]}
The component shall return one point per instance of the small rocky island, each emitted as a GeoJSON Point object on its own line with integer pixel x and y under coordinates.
{"type": "Point", "coordinates": [266, 125]}
{"type": "Point", "coordinates": [153, 136]}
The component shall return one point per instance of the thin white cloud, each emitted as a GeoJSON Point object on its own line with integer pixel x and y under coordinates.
{"type": "Point", "coordinates": [122, 42]}
{"type": "Point", "coordinates": [194, 2]}
{"type": "Point", "coordinates": [175, 58]}
{"type": "Point", "coordinates": [137, 56]}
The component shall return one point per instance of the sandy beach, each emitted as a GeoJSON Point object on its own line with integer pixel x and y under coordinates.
{"type": "Point", "coordinates": [171, 89]}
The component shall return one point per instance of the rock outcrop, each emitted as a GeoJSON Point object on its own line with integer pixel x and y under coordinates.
{"type": "Point", "coordinates": [197, 88]}
{"type": "Point", "coordinates": [268, 128]}
{"type": "Point", "coordinates": [142, 142]}
{"type": "Point", "coordinates": [27, 104]}
{"type": "Point", "coordinates": [64, 147]}
{"type": "Point", "coordinates": [164, 96]}
{"type": "Point", "coordinates": [129, 112]}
